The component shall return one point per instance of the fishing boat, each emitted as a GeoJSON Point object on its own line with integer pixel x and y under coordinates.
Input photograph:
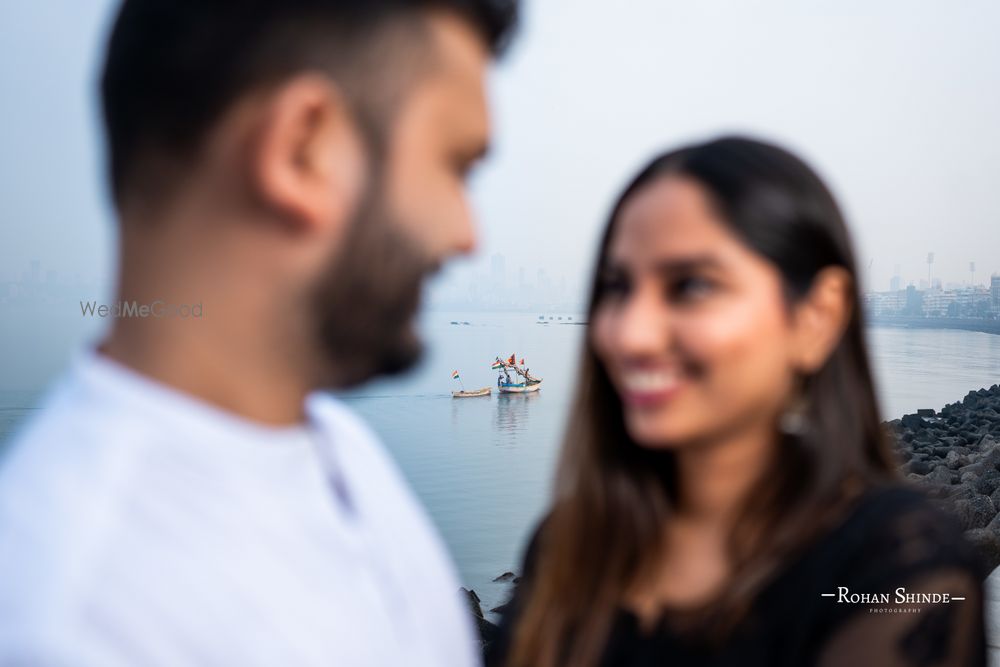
{"type": "Point", "coordinates": [519, 387]}
{"type": "Point", "coordinates": [485, 391]}
{"type": "Point", "coordinates": [523, 381]}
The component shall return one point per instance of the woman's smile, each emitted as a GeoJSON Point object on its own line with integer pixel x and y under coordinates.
{"type": "Point", "coordinates": [650, 386]}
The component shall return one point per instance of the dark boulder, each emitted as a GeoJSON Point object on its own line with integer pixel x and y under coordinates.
{"type": "Point", "coordinates": [955, 460]}
{"type": "Point", "coordinates": [475, 604]}
{"type": "Point", "coordinates": [975, 512]}
{"type": "Point", "coordinates": [992, 457]}
{"type": "Point", "coordinates": [988, 482]}
{"type": "Point", "coordinates": [487, 630]}
{"type": "Point", "coordinates": [941, 475]}
{"type": "Point", "coordinates": [917, 467]}
{"type": "Point", "coordinates": [500, 609]}
{"type": "Point", "coordinates": [987, 544]}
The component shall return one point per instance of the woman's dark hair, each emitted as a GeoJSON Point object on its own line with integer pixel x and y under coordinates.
{"type": "Point", "coordinates": [612, 496]}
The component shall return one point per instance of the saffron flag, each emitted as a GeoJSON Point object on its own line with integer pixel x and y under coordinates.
{"type": "Point", "coordinates": [522, 362]}
{"type": "Point", "coordinates": [454, 374]}
{"type": "Point", "coordinates": [512, 360]}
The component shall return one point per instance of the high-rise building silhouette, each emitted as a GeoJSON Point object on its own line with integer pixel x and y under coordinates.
{"type": "Point", "coordinates": [995, 293]}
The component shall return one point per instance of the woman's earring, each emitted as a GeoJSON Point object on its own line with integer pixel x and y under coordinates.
{"type": "Point", "coordinates": [795, 419]}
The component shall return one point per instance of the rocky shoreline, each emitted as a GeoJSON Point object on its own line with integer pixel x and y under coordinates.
{"type": "Point", "coordinates": [488, 630]}
{"type": "Point", "coordinates": [953, 454]}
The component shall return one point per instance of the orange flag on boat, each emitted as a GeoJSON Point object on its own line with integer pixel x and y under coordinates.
{"type": "Point", "coordinates": [512, 360]}
{"type": "Point", "coordinates": [522, 361]}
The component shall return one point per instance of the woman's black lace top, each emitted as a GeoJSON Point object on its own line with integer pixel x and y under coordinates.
{"type": "Point", "coordinates": [868, 593]}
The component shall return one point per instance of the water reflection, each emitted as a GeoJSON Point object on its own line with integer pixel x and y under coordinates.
{"type": "Point", "coordinates": [512, 414]}
{"type": "Point", "coordinates": [466, 411]}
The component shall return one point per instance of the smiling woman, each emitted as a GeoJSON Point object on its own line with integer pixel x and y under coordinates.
{"type": "Point", "coordinates": [725, 471]}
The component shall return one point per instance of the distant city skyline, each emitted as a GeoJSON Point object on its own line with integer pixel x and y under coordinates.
{"type": "Point", "coordinates": [474, 285]}
{"type": "Point", "coordinates": [894, 103]}
{"type": "Point", "coordinates": [508, 286]}
{"type": "Point", "coordinates": [898, 279]}
{"type": "Point", "coordinates": [905, 135]}
{"type": "Point", "coordinates": [974, 301]}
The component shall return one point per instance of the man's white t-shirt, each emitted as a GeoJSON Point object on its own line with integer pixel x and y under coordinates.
{"type": "Point", "coordinates": [140, 526]}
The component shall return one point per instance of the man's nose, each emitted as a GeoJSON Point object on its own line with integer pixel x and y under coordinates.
{"type": "Point", "coordinates": [465, 241]}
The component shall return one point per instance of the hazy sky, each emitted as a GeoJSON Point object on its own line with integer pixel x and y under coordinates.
{"type": "Point", "coordinates": [898, 106]}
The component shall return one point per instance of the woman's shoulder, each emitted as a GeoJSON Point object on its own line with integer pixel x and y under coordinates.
{"type": "Point", "coordinates": [889, 525]}
{"type": "Point", "coordinates": [900, 521]}
{"type": "Point", "coordinates": [903, 582]}
{"type": "Point", "coordinates": [882, 577]}
{"type": "Point", "coordinates": [893, 536]}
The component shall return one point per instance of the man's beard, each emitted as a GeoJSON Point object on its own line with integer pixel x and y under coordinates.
{"type": "Point", "coordinates": [365, 304]}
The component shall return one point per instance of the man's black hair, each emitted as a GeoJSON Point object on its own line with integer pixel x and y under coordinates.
{"type": "Point", "coordinates": [174, 66]}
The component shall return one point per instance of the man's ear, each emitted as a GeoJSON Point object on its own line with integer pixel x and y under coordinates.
{"type": "Point", "coordinates": [306, 157]}
{"type": "Point", "coordinates": [821, 318]}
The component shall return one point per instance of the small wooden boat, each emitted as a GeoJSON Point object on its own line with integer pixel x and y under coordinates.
{"type": "Point", "coordinates": [485, 391]}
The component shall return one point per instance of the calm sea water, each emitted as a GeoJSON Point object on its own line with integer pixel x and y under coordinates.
{"type": "Point", "coordinates": [482, 466]}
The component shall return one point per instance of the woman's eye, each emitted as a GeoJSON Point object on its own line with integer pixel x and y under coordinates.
{"type": "Point", "coordinates": [691, 288]}
{"type": "Point", "coordinates": [613, 286]}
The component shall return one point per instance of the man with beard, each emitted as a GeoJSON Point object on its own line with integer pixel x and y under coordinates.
{"type": "Point", "coordinates": [285, 173]}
